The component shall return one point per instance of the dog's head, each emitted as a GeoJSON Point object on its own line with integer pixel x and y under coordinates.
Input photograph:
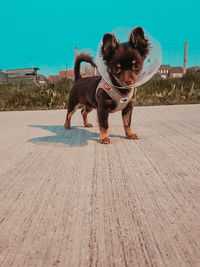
{"type": "Point", "coordinates": [124, 61]}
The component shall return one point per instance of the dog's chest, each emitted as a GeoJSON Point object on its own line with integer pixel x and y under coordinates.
{"type": "Point", "coordinates": [120, 100]}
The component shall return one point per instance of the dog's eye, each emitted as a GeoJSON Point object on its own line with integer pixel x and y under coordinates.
{"type": "Point", "coordinates": [136, 65]}
{"type": "Point", "coordinates": [117, 69]}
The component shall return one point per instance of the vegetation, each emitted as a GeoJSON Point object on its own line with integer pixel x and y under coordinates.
{"type": "Point", "coordinates": [185, 90]}
{"type": "Point", "coordinates": [21, 96]}
{"type": "Point", "coordinates": [30, 96]}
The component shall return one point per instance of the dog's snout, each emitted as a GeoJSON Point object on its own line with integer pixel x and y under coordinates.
{"type": "Point", "coordinates": [129, 82]}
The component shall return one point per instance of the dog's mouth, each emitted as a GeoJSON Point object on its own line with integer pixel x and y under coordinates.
{"type": "Point", "coordinates": [128, 83]}
{"type": "Point", "coordinates": [121, 82]}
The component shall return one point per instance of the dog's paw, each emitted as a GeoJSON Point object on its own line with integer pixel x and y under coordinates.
{"type": "Point", "coordinates": [88, 125]}
{"type": "Point", "coordinates": [105, 140]}
{"type": "Point", "coordinates": [133, 136]}
{"type": "Point", "coordinates": [67, 127]}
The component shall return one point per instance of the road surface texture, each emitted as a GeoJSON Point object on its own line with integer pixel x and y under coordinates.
{"type": "Point", "coordinates": [66, 200]}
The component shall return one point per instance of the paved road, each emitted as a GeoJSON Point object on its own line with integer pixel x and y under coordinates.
{"type": "Point", "coordinates": [66, 200]}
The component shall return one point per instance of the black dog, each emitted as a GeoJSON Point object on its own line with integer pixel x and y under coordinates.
{"type": "Point", "coordinates": [124, 62]}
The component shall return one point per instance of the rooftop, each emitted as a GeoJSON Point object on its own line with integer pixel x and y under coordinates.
{"type": "Point", "coordinates": [176, 70]}
{"type": "Point", "coordinates": [23, 69]}
{"type": "Point", "coordinates": [164, 67]}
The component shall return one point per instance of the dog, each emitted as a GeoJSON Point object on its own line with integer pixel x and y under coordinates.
{"type": "Point", "coordinates": [124, 62]}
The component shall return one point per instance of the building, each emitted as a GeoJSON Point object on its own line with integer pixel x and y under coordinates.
{"type": "Point", "coordinates": [53, 78]}
{"type": "Point", "coordinates": [42, 79]}
{"type": "Point", "coordinates": [176, 72]}
{"type": "Point", "coordinates": [26, 75]}
{"type": "Point", "coordinates": [3, 77]}
{"type": "Point", "coordinates": [164, 71]}
{"type": "Point", "coordinates": [66, 74]}
{"type": "Point", "coordinates": [86, 71]}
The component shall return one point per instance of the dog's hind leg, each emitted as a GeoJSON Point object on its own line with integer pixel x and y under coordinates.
{"type": "Point", "coordinates": [72, 107]}
{"type": "Point", "coordinates": [84, 113]}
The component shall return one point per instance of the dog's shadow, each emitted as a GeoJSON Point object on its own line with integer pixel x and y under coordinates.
{"type": "Point", "coordinates": [75, 137]}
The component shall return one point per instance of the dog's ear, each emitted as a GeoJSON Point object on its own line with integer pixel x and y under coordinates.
{"type": "Point", "coordinates": [109, 45]}
{"type": "Point", "coordinates": [139, 41]}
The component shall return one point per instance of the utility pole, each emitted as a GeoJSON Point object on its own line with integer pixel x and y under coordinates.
{"type": "Point", "coordinates": [185, 57]}
{"type": "Point", "coordinates": [66, 71]}
{"type": "Point", "coordinates": [76, 52]}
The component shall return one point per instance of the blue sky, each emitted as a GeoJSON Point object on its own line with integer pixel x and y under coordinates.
{"type": "Point", "coordinates": [44, 33]}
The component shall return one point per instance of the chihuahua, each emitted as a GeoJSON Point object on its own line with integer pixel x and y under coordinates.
{"type": "Point", "coordinates": [124, 62]}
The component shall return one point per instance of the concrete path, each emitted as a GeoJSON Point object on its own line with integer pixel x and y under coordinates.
{"type": "Point", "coordinates": [66, 200]}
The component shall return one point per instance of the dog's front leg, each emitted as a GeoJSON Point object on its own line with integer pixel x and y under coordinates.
{"type": "Point", "coordinates": [126, 116]}
{"type": "Point", "coordinates": [103, 123]}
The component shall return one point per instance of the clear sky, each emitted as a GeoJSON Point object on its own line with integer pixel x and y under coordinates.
{"type": "Point", "coordinates": [44, 33]}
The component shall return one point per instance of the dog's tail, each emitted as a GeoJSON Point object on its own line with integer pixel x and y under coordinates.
{"type": "Point", "coordinates": [82, 58]}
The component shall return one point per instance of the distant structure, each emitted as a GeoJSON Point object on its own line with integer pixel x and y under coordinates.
{"type": "Point", "coordinates": [66, 74]}
{"type": "Point", "coordinates": [42, 79]}
{"type": "Point", "coordinates": [26, 75]}
{"type": "Point", "coordinates": [76, 52]}
{"type": "Point", "coordinates": [3, 77]}
{"type": "Point", "coordinates": [185, 58]}
{"type": "Point", "coordinates": [86, 71]}
{"type": "Point", "coordinates": [164, 71]}
{"type": "Point", "coordinates": [53, 78]}
{"type": "Point", "coordinates": [63, 74]}
{"type": "Point", "coordinates": [176, 72]}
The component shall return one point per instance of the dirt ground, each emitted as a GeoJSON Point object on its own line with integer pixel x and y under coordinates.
{"type": "Point", "coordinates": [66, 200]}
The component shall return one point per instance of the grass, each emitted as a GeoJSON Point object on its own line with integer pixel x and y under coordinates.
{"type": "Point", "coordinates": [32, 97]}
{"type": "Point", "coordinates": [185, 90]}
{"type": "Point", "coordinates": [21, 96]}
